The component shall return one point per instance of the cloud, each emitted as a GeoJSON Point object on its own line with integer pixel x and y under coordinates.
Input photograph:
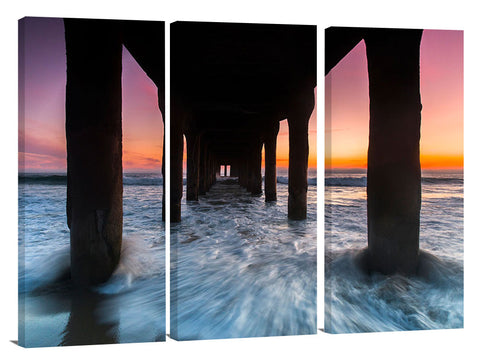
{"type": "Point", "coordinates": [38, 153]}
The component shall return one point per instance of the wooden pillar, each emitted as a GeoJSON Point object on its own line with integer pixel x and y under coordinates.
{"type": "Point", "coordinates": [255, 168]}
{"type": "Point", "coordinates": [94, 148]}
{"type": "Point", "coordinates": [202, 182]}
{"type": "Point", "coordinates": [234, 168]}
{"type": "Point", "coordinates": [193, 166]}
{"type": "Point", "coordinates": [271, 163]}
{"type": "Point", "coordinates": [243, 176]}
{"type": "Point", "coordinates": [176, 162]}
{"type": "Point", "coordinates": [299, 113]}
{"type": "Point", "coordinates": [209, 170]}
{"type": "Point", "coordinates": [394, 176]}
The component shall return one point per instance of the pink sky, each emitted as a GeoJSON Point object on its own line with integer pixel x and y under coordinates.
{"type": "Point", "coordinates": [441, 87]}
{"type": "Point", "coordinates": [42, 133]}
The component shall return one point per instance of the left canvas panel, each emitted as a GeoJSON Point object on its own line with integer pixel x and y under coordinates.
{"type": "Point", "coordinates": [91, 143]}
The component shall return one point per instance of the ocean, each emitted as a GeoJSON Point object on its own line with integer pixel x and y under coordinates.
{"type": "Point", "coordinates": [240, 268]}
{"type": "Point", "coordinates": [130, 307]}
{"type": "Point", "coordinates": [356, 302]}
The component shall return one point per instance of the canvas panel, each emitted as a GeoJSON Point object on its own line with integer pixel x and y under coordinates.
{"type": "Point", "coordinates": [91, 236]}
{"type": "Point", "coordinates": [393, 180]}
{"type": "Point", "coordinates": [243, 224]}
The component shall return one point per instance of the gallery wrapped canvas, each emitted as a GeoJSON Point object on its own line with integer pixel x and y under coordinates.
{"type": "Point", "coordinates": [393, 179]}
{"type": "Point", "coordinates": [91, 237]}
{"type": "Point", "coordinates": [243, 180]}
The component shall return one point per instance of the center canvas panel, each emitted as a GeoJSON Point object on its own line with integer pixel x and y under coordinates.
{"type": "Point", "coordinates": [243, 181]}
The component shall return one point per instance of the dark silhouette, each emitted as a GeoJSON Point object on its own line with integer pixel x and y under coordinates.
{"type": "Point", "coordinates": [231, 85]}
{"type": "Point", "coordinates": [94, 134]}
{"type": "Point", "coordinates": [393, 176]}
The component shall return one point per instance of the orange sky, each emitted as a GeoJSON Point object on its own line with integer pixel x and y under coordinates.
{"type": "Point", "coordinates": [441, 87]}
{"type": "Point", "coordinates": [41, 136]}
{"type": "Point", "coordinates": [141, 119]}
{"type": "Point", "coordinates": [42, 145]}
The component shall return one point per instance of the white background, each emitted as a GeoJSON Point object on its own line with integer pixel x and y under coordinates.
{"type": "Point", "coordinates": [439, 344]}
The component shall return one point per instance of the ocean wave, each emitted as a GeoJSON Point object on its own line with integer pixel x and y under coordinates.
{"type": "Point", "coordinates": [442, 180]}
{"type": "Point", "coordinates": [143, 181]}
{"type": "Point", "coordinates": [357, 302]}
{"type": "Point", "coordinates": [362, 181]}
{"type": "Point", "coordinates": [54, 179]}
{"type": "Point", "coordinates": [280, 180]}
{"type": "Point", "coordinates": [42, 179]}
{"type": "Point", "coordinates": [346, 181]}
{"type": "Point", "coordinates": [284, 180]}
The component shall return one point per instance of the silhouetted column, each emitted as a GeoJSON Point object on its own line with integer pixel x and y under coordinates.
{"type": "Point", "coordinates": [94, 148]}
{"type": "Point", "coordinates": [298, 116]}
{"type": "Point", "coordinates": [255, 168]}
{"type": "Point", "coordinates": [271, 163]}
{"type": "Point", "coordinates": [394, 177]}
{"type": "Point", "coordinates": [193, 165]}
{"type": "Point", "coordinates": [215, 169]}
{"type": "Point", "coordinates": [234, 169]}
{"type": "Point", "coordinates": [202, 182]}
{"type": "Point", "coordinates": [239, 172]}
{"type": "Point", "coordinates": [244, 172]}
{"type": "Point", "coordinates": [176, 162]}
{"type": "Point", "coordinates": [210, 171]}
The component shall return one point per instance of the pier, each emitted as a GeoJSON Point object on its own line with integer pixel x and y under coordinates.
{"type": "Point", "coordinates": [231, 85]}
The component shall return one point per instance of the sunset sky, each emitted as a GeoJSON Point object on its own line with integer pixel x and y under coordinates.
{"type": "Point", "coordinates": [43, 133]}
{"type": "Point", "coordinates": [441, 87]}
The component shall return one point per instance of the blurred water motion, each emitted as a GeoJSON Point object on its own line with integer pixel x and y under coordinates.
{"type": "Point", "coordinates": [240, 268]}
{"type": "Point", "coordinates": [355, 302]}
{"type": "Point", "coordinates": [130, 307]}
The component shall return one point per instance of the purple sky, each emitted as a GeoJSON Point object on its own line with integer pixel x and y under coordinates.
{"type": "Point", "coordinates": [42, 134]}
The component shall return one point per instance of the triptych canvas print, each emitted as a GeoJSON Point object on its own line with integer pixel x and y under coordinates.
{"type": "Point", "coordinates": [240, 208]}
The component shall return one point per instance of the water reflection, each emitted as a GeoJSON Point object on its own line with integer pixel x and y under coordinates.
{"type": "Point", "coordinates": [85, 325]}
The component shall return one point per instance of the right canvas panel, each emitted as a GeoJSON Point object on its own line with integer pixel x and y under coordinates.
{"type": "Point", "coordinates": [394, 179]}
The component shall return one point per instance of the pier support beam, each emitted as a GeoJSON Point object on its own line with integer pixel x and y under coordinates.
{"type": "Point", "coordinates": [193, 166]}
{"type": "Point", "coordinates": [271, 163]}
{"type": "Point", "coordinates": [255, 168]}
{"type": "Point", "coordinates": [94, 148]}
{"type": "Point", "coordinates": [202, 183]}
{"type": "Point", "coordinates": [176, 162]}
{"type": "Point", "coordinates": [298, 117]}
{"type": "Point", "coordinates": [394, 177]}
